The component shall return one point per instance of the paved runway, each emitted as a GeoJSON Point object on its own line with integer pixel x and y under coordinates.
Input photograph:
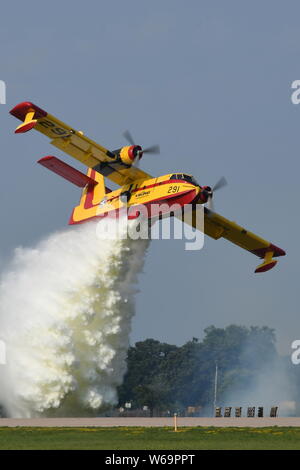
{"type": "Point", "coordinates": [148, 422]}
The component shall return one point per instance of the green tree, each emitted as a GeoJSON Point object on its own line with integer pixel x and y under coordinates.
{"type": "Point", "coordinates": [165, 376]}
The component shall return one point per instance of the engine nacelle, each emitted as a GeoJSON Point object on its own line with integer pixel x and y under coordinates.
{"type": "Point", "coordinates": [129, 153]}
{"type": "Point", "coordinates": [206, 191]}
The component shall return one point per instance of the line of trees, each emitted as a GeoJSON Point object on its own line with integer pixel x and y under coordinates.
{"type": "Point", "coordinates": [168, 377]}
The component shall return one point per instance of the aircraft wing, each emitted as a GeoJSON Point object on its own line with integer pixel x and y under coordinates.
{"type": "Point", "coordinates": [76, 144]}
{"type": "Point", "coordinates": [217, 226]}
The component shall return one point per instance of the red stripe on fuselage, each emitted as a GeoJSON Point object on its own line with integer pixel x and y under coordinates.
{"type": "Point", "coordinates": [89, 198]}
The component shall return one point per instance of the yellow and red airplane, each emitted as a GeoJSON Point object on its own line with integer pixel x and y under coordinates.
{"type": "Point", "coordinates": [136, 186]}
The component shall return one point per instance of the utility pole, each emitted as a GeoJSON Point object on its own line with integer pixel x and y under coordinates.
{"type": "Point", "coordinates": [216, 388]}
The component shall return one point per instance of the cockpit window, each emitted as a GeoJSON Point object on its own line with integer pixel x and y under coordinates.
{"type": "Point", "coordinates": [178, 176]}
{"type": "Point", "coordinates": [182, 176]}
{"type": "Point", "coordinates": [191, 179]}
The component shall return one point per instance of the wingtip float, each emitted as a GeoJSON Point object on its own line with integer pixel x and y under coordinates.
{"type": "Point", "coordinates": [136, 186]}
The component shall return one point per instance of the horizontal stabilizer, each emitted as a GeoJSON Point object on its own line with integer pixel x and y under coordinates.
{"type": "Point", "coordinates": [66, 171]}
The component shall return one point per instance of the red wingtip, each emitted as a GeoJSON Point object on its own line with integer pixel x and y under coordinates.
{"type": "Point", "coordinates": [22, 109]}
{"type": "Point", "coordinates": [262, 251]}
{"type": "Point", "coordinates": [25, 127]}
{"type": "Point", "coordinates": [266, 267]}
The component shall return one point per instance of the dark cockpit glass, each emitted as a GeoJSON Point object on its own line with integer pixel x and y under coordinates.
{"type": "Point", "coordinates": [191, 179]}
{"type": "Point", "coordinates": [187, 178]}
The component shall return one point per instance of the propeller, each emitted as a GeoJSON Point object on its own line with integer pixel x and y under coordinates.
{"type": "Point", "coordinates": [128, 137]}
{"type": "Point", "coordinates": [154, 149]}
{"type": "Point", "coordinates": [221, 183]}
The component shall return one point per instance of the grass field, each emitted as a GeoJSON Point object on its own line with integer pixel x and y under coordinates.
{"type": "Point", "coordinates": [136, 438]}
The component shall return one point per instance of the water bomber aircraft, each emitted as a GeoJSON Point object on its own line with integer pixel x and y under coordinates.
{"type": "Point", "coordinates": [136, 187]}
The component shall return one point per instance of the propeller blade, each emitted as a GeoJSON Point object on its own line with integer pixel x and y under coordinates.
{"type": "Point", "coordinates": [136, 161]}
{"type": "Point", "coordinates": [154, 149]}
{"type": "Point", "coordinates": [210, 204]}
{"type": "Point", "coordinates": [128, 137]}
{"type": "Point", "coordinates": [220, 184]}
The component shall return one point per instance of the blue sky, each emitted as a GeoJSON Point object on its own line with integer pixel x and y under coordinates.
{"type": "Point", "coordinates": [208, 80]}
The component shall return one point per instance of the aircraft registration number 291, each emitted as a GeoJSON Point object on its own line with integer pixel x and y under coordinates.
{"type": "Point", "coordinates": [173, 189]}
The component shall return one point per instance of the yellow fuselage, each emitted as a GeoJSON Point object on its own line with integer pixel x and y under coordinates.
{"type": "Point", "coordinates": [97, 202]}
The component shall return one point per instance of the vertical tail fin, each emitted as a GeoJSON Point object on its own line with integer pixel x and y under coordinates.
{"type": "Point", "coordinates": [91, 196]}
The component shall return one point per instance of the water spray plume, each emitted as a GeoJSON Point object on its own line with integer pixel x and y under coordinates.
{"type": "Point", "coordinates": [65, 316]}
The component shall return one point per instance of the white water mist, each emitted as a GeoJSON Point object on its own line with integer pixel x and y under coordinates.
{"type": "Point", "coordinates": [65, 316]}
